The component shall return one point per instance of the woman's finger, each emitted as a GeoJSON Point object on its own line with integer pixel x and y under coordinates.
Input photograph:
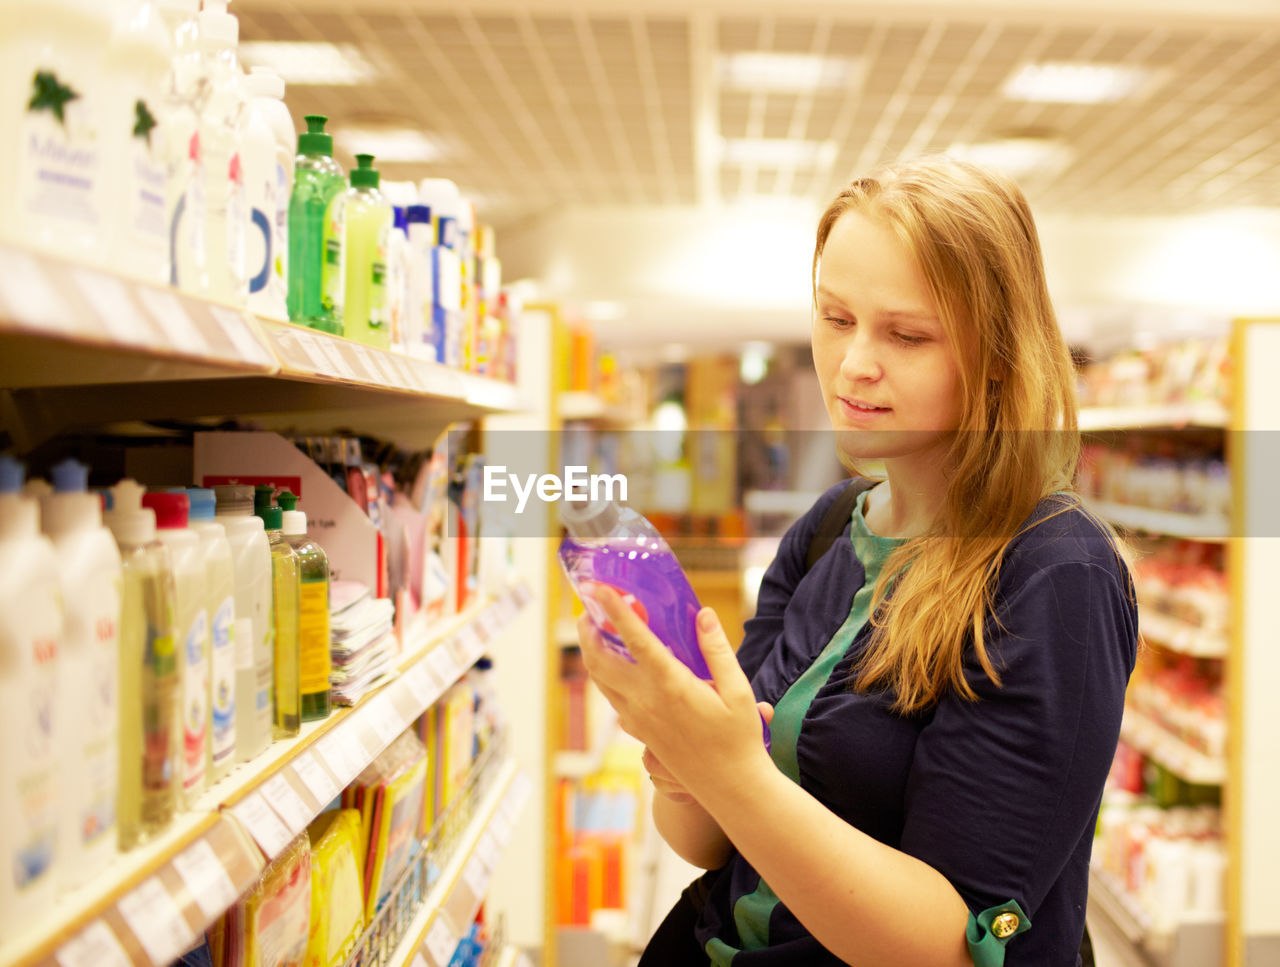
{"type": "Point", "coordinates": [726, 673]}
{"type": "Point", "coordinates": [641, 642]}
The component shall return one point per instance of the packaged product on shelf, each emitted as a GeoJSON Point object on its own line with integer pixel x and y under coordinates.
{"type": "Point", "coordinates": [30, 638]}
{"type": "Point", "coordinates": [388, 794]}
{"type": "Point", "coordinates": [417, 313]}
{"type": "Point", "coordinates": [457, 740]}
{"type": "Point", "coordinates": [462, 527]}
{"type": "Point", "coordinates": [317, 230]}
{"type": "Point", "coordinates": [186, 203]}
{"type": "Point", "coordinates": [220, 589]}
{"type": "Point", "coordinates": [368, 235]}
{"type": "Point", "coordinates": [151, 707]}
{"type": "Point", "coordinates": [258, 162]}
{"type": "Point", "coordinates": [286, 593]}
{"type": "Point", "coordinates": [313, 610]}
{"type": "Point", "coordinates": [267, 295]}
{"type": "Point", "coordinates": [191, 619]}
{"type": "Point", "coordinates": [396, 279]}
{"type": "Point", "coordinates": [277, 912]}
{"type": "Point", "coordinates": [363, 646]}
{"type": "Point", "coordinates": [255, 621]}
{"type": "Point", "coordinates": [337, 897]}
{"type": "Point", "coordinates": [87, 719]}
{"type": "Point", "coordinates": [136, 187]}
{"type": "Point", "coordinates": [446, 306]}
{"type": "Point", "coordinates": [221, 146]}
{"type": "Point", "coordinates": [52, 111]}
{"type": "Point", "coordinates": [430, 493]}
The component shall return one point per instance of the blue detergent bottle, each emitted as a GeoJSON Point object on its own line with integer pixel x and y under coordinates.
{"type": "Point", "coordinates": [615, 545]}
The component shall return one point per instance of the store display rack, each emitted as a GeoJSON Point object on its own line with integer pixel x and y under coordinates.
{"type": "Point", "coordinates": [1190, 943]}
{"type": "Point", "coordinates": [1170, 633]}
{"type": "Point", "coordinates": [155, 901]}
{"type": "Point", "coordinates": [1187, 763]}
{"type": "Point", "coordinates": [1191, 527]}
{"type": "Point", "coordinates": [1097, 419]}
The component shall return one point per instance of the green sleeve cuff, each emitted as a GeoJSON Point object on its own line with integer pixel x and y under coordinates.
{"type": "Point", "coordinates": [990, 930]}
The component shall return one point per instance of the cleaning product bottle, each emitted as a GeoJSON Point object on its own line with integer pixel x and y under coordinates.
{"type": "Point", "coordinates": [151, 707]}
{"type": "Point", "coordinates": [186, 95]}
{"type": "Point", "coordinates": [614, 545]}
{"type": "Point", "coordinates": [88, 724]}
{"type": "Point", "coordinates": [221, 137]}
{"type": "Point", "coordinates": [30, 638]}
{"type": "Point", "coordinates": [267, 291]}
{"type": "Point", "coordinates": [138, 57]}
{"type": "Point", "coordinates": [368, 236]}
{"type": "Point", "coordinates": [220, 592]}
{"type": "Point", "coordinates": [52, 113]}
{"type": "Point", "coordinates": [313, 610]}
{"type": "Point", "coordinates": [286, 589]}
{"type": "Point", "coordinates": [419, 289]}
{"type": "Point", "coordinates": [316, 232]}
{"type": "Point", "coordinates": [255, 626]}
{"type": "Point", "coordinates": [191, 621]}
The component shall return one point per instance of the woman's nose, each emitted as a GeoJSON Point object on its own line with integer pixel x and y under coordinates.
{"type": "Point", "coordinates": [861, 360]}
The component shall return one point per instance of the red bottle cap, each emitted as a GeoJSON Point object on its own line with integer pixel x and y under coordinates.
{"type": "Point", "coordinates": [171, 509]}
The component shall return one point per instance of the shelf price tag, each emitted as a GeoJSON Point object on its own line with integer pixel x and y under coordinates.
{"type": "Point", "coordinates": [419, 959]}
{"type": "Point", "coordinates": [502, 827]}
{"type": "Point", "coordinates": [205, 878]}
{"type": "Point", "coordinates": [476, 876]}
{"type": "Point", "coordinates": [181, 329]}
{"type": "Point", "coordinates": [443, 666]}
{"type": "Point", "coordinates": [237, 330]}
{"type": "Point", "coordinates": [487, 850]}
{"type": "Point", "coordinates": [288, 805]}
{"type": "Point", "coordinates": [315, 778]}
{"type": "Point", "coordinates": [95, 946]}
{"type": "Point", "coordinates": [109, 297]}
{"type": "Point", "coordinates": [342, 753]}
{"type": "Point", "coordinates": [385, 721]}
{"type": "Point", "coordinates": [337, 358]}
{"type": "Point", "coordinates": [31, 298]}
{"type": "Point", "coordinates": [156, 921]}
{"type": "Point", "coordinates": [420, 684]}
{"type": "Point", "coordinates": [441, 942]}
{"type": "Point", "coordinates": [318, 362]}
{"type": "Point", "coordinates": [263, 825]}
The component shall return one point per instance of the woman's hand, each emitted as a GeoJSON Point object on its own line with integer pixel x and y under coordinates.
{"type": "Point", "coordinates": [678, 716]}
{"type": "Point", "coordinates": [665, 784]}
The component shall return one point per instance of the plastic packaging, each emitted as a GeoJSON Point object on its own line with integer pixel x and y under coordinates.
{"type": "Point", "coordinates": [191, 622]}
{"type": "Point", "coordinates": [267, 296]}
{"type": "Point", "coordinates": [255, 623]}
{"type": "Point", "coordinates": [337, 897]}
{"type": "Point", "coordinates": [416, 314]}
{"type": "Point", "coordinates": [369, 225]}
{"type": "Point", "coordinates": [612, 544]}
{"type": "Point", "coordinates": [286, 588]}
{"type": "Point", "coordinates": [87, 719]}
{"type": "Point", "coordinates": [313, 611]}
{"type": "Point", "coordinates": [317, 232]}
{"type": "Point", "coordinates": [277, 913]}
{"type": "Point", "coordinates": [150, 775]}
{"type": "Point", "coordinates": [220, 591]}
{"type": "Point", "coordinates": [30, 638]}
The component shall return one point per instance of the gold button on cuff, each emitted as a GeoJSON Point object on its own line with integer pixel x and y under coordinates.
{"type": "Point", "coordinates": [1005, 925]}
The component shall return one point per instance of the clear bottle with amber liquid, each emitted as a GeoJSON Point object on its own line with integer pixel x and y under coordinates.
{"type": "Point", "coordinates": [285, 589]}
{"type": "Point", "coordinates": [315, 662]}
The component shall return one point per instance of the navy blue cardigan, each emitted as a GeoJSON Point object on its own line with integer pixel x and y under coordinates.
{"type": "Point", "coordinates": [1001, 796]}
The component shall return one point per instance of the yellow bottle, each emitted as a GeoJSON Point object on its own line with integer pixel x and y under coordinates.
{"type": "Point", "coordinates": [285, 601]}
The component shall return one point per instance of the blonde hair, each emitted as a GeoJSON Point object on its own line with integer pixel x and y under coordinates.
{"type": "Point", "coordinates": [973, 236]}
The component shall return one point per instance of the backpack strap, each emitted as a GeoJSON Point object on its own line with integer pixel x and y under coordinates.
{"type": "Point", "coordinates": [835, 520]}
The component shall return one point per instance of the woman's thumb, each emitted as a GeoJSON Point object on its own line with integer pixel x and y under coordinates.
{"type": "Point", "coordinates": [766, 711]}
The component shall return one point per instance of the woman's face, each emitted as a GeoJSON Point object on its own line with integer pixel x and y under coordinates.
{"type": "Point", "coordinates": [889, 377]}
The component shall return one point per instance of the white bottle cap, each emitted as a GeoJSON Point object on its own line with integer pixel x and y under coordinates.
{"type": "Point", "coordinates": [264, 82]}
{"type": "Point", "coordinates": [217, 27]}
{"type": "Point", "coordinates": [295, 523]}
{"type": "Point", "coordinates": [63, 513]}
{"type": "Point", "coordinates": [130, 522]}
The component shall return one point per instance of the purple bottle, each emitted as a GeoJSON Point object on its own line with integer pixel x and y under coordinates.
{"type": "Point", "coordinates": [614, 545]}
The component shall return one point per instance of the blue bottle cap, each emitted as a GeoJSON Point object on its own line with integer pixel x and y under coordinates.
{"type": "Point", "coordinates": [70, 477]}
{"type": "Point", "coordinates": [12, 474]}
{"type": "Point", "coordinates": [418, 213]}
{"type": "Point", "coordinates": [203, 503]}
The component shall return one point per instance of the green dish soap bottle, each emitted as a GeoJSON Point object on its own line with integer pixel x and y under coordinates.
{"type": "Point", "coordinates": [285, 589]}
{"type": "Point", "coordinates": [313, 611]}
{"type": "Point", "coordinates": [369, 223]}
{"type": "Point", "coordinates": [316, 232]}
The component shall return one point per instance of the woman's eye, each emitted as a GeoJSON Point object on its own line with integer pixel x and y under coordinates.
{"type": "Point", "coordinates": [907, 340]}
{"type": "Point", "coordinates": [838, 322]}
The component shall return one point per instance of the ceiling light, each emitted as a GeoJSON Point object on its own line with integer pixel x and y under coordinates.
{"type": "Point", "coordinates": [1065, 82]}
{"type": "Point", "coordinates": [778, 152]}
{"type": "Point", "coordinates": [1015, 156]}
{"type": "Point", "coordinates": [309, 63]}
{"type": "Point", "coordinates": [605, 311]}
{"type": "Point", "coordinates": [759, 70]}
{"type": "Point", "coordinates": [389, 145]}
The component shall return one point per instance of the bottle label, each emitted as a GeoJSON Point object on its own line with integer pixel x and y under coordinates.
{"type": "Point", "coordinates": [195, 692]}
{"type": "Point", "coordinates": [158, 712]}
{"type": "Point", "coordinates": [59, 161]}
{"type": "Point", "coordinates": [313, 637]}
{"type": "Point", "coordinates": [98, 816]}
{"type": "Point", "coordinates": [378, 315]}
{"type": "Point", "coordinates": [223, 684]}
{"type": "Point", "coordinates": [333, 272]}
{"type": "Point", "coordinates": [244, 644]}
{"type": "Point", "coordinates": [146, 188]}
{"type": "Point", "coordinates": [279, 284]}
{"type": "Point", "coordinates": [237, 216]}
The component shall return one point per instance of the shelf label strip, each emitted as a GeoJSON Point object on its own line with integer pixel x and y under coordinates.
{"type": "Point", "coordinates": [94, 946]}
{"type": "Point", "coordinates": [156, 921]}
{"type": "Point", "coordinates": [206, 879]}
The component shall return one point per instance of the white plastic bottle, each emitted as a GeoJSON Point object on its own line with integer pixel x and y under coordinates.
{"type": "Point", "coordinates": [191, 623]}
{"type": "Point", "coordinates": [221, 137]}
{"type": "Point", "coordinates": [186, 92]}
{"type": "Point", "coordinates": [30, 635]}
{"type": "Point", "coordinates": [88, 672]}
{"type": "Point", "coordinates": [267, 294]}
{"type": "Point", "coordinates": [136, 187]}
{"type": "Point", "coordinates": [255, 627]}
{"type": "Point", "coordinates": [51, 113]}
{"type": "Point", "coordinates": [419, 299]}
{"type": "Point", "coordinates": [220, 589]}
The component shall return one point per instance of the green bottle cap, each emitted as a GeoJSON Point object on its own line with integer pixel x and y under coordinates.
{"type": "Point", "coordinates": [262, 495]}
{"type": "Point", "coordinates": [287, 500]}
{"type": "Point", "coordinates": [315, 141]}
{"type": "Point", "coordinates": [365, 176]}
{"type": "Point", "coordinates": [272, 518]}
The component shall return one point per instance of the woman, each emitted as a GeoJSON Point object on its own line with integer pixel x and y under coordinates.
{"type": "Point", "coordinates": [945, 685]}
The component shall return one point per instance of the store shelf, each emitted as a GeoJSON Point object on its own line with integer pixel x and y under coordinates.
{"type": "Point", "coordinates": [208, 857]}
{"type": "Point", "coordinates": [78, 344]}
{"type": "Point", "coordinates": [570, 764]}
{"type": "Point", "coordinates": [1097, 419]}
{"type": "Point", "coordinates": [1168, 632]}
{"type": "Point", "coordinates": [1193, 527]}
{"type": "Point", "coordinates": [1195, 942]}
{"type": "Point", "coordinates": [451, 904]}
{"type": "Point", "coordinates": [576, 405]}
{"type": "Point", "coordinates": [1187, 763]}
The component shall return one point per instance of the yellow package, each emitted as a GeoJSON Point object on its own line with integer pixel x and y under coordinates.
{"type": "Point", "coordinates": [277, 912]}
{"type": "Point", "coordinates": [337, 900]}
